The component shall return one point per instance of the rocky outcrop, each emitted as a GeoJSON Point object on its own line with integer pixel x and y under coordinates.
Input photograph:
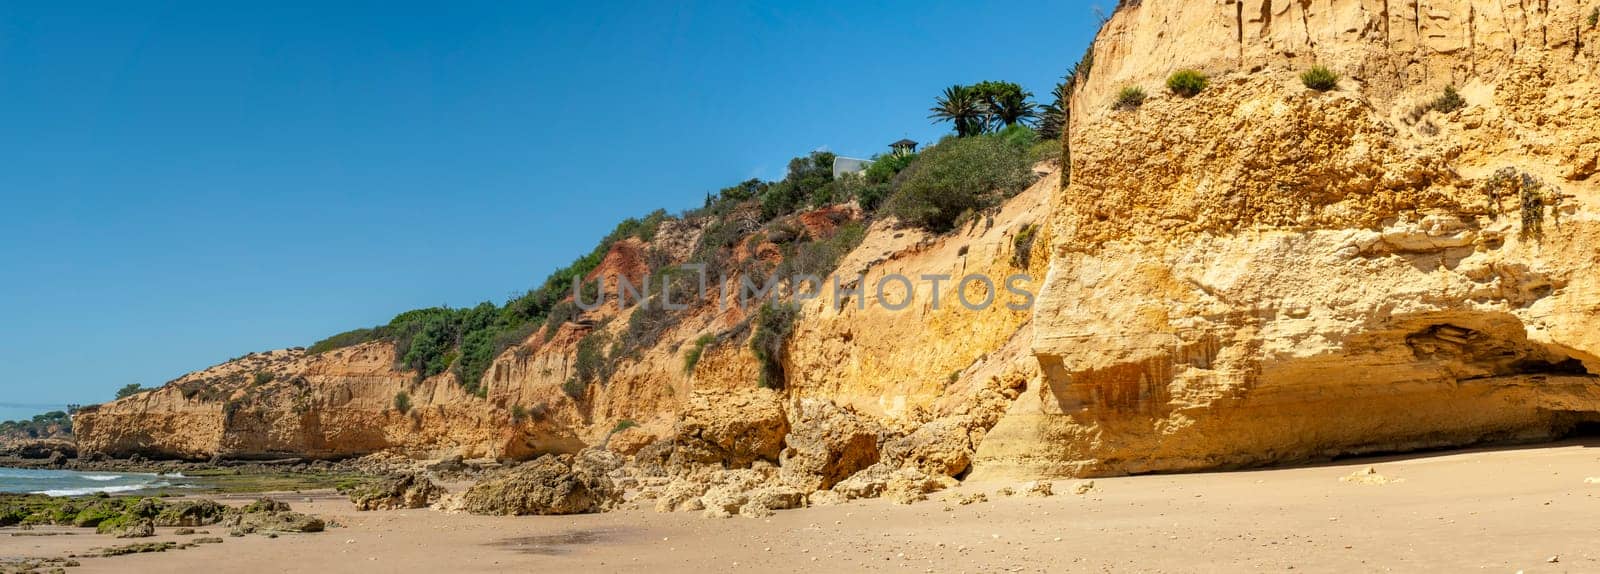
{"type": "Point", "coordinates": [900, 485]}
{"type": "Point", "coordinates": [718, 492]}
{"type": "Point", "coordinates": [139, 529]}
{"type": "Point", "coordinates": [1264, 273]}
{"type": "Point", "coordinates": [134, 517]}
{"type": "Point", "coordinates": [410, 490]}
{"type": "Point", "coordinates": [268, 516]}
{"type": "Point", "coordinates": [729, 428]}
{"type": "Point", "coordinates": [548, 485]}
{"type": "Point", "coordinates": [826, 444]}
{"type": "Point", "coordinates": [40, 448]}
{"type": "Point", "coordinates": [337, 404]}
{"type": "Point", "coordinates": [190, 513]}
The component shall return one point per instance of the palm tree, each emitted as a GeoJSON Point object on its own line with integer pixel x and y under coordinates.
{"type": "Point", "coordinates": [1053, 116]}
{"type": "Point", "coordinates": [1005, 103]}
{"type": "Point", "coordinates": [961, 106]}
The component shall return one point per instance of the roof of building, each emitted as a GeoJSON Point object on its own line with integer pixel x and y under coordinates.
{"type": "Point", "coordinates": [904, 143]}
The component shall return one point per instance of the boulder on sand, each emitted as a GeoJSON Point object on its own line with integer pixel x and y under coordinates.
{"type": "Point", "coordinates": [940, 447]}
{"type": "Point", "coordinates": [826, 444]}
{"type": "Point", "coordinates": [270, 516]}
{"type": "Point", "coordinates": [410, 490]}
{"type": "Point", "coordinates": [136, 529]}
{"type": "Point", "coordinates": [730, 428]}
{"type": "Point", "coordinates": [549, 485]}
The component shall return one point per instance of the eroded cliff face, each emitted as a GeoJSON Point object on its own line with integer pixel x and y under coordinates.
{"type": "Point", "coordinates": [899, 368]}
{"type": "Point", "coordinates": [1258, 274]}
{"type": "Point", "coordinates": [289, 404]}
{"type": "Point", "coordinates": [1265, 273]}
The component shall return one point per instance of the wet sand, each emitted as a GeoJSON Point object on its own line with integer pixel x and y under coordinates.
{"type": "Point", "coordinates": [1489, 510]}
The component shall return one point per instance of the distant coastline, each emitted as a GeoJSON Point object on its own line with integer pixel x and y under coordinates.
{"type": "Point", "coordinates": [25, 411]}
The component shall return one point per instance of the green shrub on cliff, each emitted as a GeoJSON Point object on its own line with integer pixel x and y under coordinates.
{"type": "Point", "coordinates": [874, 185]}
{"type": "Point", "coordinates": [589, 363]}
{"type": "Point", "coordinates": [574, 387]}
{"type": "Point", "coordinates": [1187, 83]}
{"type": "Point", "coordinates": [809, 182]}
{"type": "Point", "coordinates": [963, 174]}
{"type": "Point", "coordinates": [774, 323]}
{"type": "Point", "coordinates": [434, 335]}
{"type": "Point", "coordinates": [480, 347]}
{"type": "Point", "coordinates": [402, 402]}
{"type": "Point", "coordinates": [466, 341]}
{"type": "Point", "coordinates": [692, 356]}
{"type": "Point", "coordinates": [1129, 98]}
{"type": "Point", "coordinates": [1320, 79]}
{"type": "Point", "coordinates": [1533, 196]}
{"type": "Point", "coordinates": [346, 339]}
{"type": "Point", "coordinates": [821, 257]}
{"type": "Point", "coordinates": [1022, 246]}
{"type": "Point", "coordinates": [1448, 102]}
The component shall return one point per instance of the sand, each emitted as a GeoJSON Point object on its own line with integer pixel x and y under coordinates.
{"type": "Point", "coordinates": [1504, 510]}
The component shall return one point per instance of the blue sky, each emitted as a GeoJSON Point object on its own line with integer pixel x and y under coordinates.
{"type": "Point", "coordinates": [187, 182]}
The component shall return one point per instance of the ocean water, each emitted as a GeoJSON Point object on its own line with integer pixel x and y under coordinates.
{"type": "Point", "coordinates": [73, 483]}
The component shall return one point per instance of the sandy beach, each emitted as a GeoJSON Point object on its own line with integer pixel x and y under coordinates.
{"type": "Point", "coordinates": [1503, 510]}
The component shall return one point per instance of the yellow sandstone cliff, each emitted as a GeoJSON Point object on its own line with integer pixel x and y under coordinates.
{"type": "Point", "coordinates": [1265, 273]}
{"type": "Point", "coordinates": [905, 367]}
{"type": "Point", "coordinates": [1259, 274]}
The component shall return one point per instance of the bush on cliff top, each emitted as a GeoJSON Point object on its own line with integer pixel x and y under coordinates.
{"type": "Point", "coordinates": [349, 338]}
{"type": "Point", "coordinates": [873, 186]}
{"type": "Point", "coordinates": [809, 182]}
{"type": "Point", "coordinates": [821, 257]}
{"type": "Point", "coordinates": [466, 340]}
{"type": "Point", "coordinates": [931, 189]}
{"type": "Point", "coordinates": [40, 425]}
{"type": "Point", "coordinates": [960, 175]}
{"type": "Point", "coordinates": [129, 390]}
